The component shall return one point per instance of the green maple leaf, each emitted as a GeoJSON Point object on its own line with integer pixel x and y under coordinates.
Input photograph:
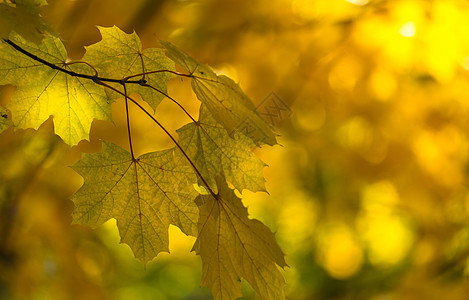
{"type": "Point", "coordinates": [42, 91]}
{"type": "Point", "coordinates": [22, 16]}
{"type": "Point", "coordinates": [5, 121]}
{"type": "Point", "coordinates": [119, 55]}
{"type": "Point", "coordinates": [228, 104]}
{"type": "Point", "coordinates": [214, 152]}
{"type": "Point", "coordinates": [144, 195]}
{"type": "Point", "coordinates": [233, 246]}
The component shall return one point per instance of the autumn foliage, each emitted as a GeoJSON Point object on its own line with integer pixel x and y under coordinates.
{"type": "Point", "coordinates": [276, 149]}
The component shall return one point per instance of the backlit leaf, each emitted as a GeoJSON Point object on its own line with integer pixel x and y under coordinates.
{"type": "Point", "coordinates": [42, 91]}
{"type": "Point", "coordinates": [225, 100]}
{"type": "Point", "coordinates": [233, 246]}
{"type": "Point", "coordinates": [145, 196]}
{"type": "Point", "coordinates": [215, 153]}
{"type": "Point", "coordinates": [119, 55]}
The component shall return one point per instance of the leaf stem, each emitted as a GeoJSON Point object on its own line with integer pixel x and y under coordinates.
{"type": "Point", "coordinates": [159, 71]}
{"type": "Point", "coordinates": [143, 68]}
{"type": "Point", "coordinates": [82, 62]}
{"type": "Point", "coordinates": [167, 133]}
{"type": "Point", "coordinates": [172, 99]}
{"type": "Point", "coordinates": [128, 122]}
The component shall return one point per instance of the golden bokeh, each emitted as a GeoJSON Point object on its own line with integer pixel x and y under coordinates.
{"type": "Point", "coordinates": [367, 192]}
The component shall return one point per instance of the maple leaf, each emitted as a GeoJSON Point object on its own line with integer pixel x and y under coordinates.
{"type": "Point", "coordinates": [233, 246]}
{"type": "Point", "coordinates": [144, 195]}
{"type": "Point", "coordinates": [214, 152]}
{"type": "Point", "coordinates": [119, 55]}
{"type": "Point", "coordinates": [73, 102]}
{"type": "Point", "coordinates": [22, 16]}
{"type": "Point", "coordinates": [225, 100]}
{"type": "Point", "coordinates": [5, 121]}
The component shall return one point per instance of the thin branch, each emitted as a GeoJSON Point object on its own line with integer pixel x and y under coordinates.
{"type": "Point", "coordinates": [102, 81]}
{"type": "Point", "coordinates": [95, 77]}
{"type": "Point", "coordinates": [71, 73]}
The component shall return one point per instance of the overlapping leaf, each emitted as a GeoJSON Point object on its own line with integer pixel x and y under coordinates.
{"type": "Point", "coordinates": [214, 152]}
{"type": "Point", "coordinates": [22, 16]}
{"type": "Point", "coordinates": [42, 91]}
{"type": "Point", "coordinates": [228, 104]}
{"type": "Point", "coordinates": [119, 55]}
{"type": "Point", "coordinates": [145, 196]}
{"type": "Point", "coordinates": [232, 247]}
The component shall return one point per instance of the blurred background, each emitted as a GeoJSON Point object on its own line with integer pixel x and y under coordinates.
{"type": "Point", "coordinates": [368, 190]}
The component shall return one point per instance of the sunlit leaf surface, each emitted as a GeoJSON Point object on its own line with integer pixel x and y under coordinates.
{"type": "Point", "coordinates": [224, 99]}
{"type": "Point", "coordinates": [73, 102]}
{"type": "Point", "coordinates": [233, 246]}
{"type": "Point", "coordinates": [144, 196]}
{"type": "Point", "coordinates": [214, 152]}
{"type": "Point", "coordinates": [119, 55]}
{"type": "Point", "coordinates": [5, 120]}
